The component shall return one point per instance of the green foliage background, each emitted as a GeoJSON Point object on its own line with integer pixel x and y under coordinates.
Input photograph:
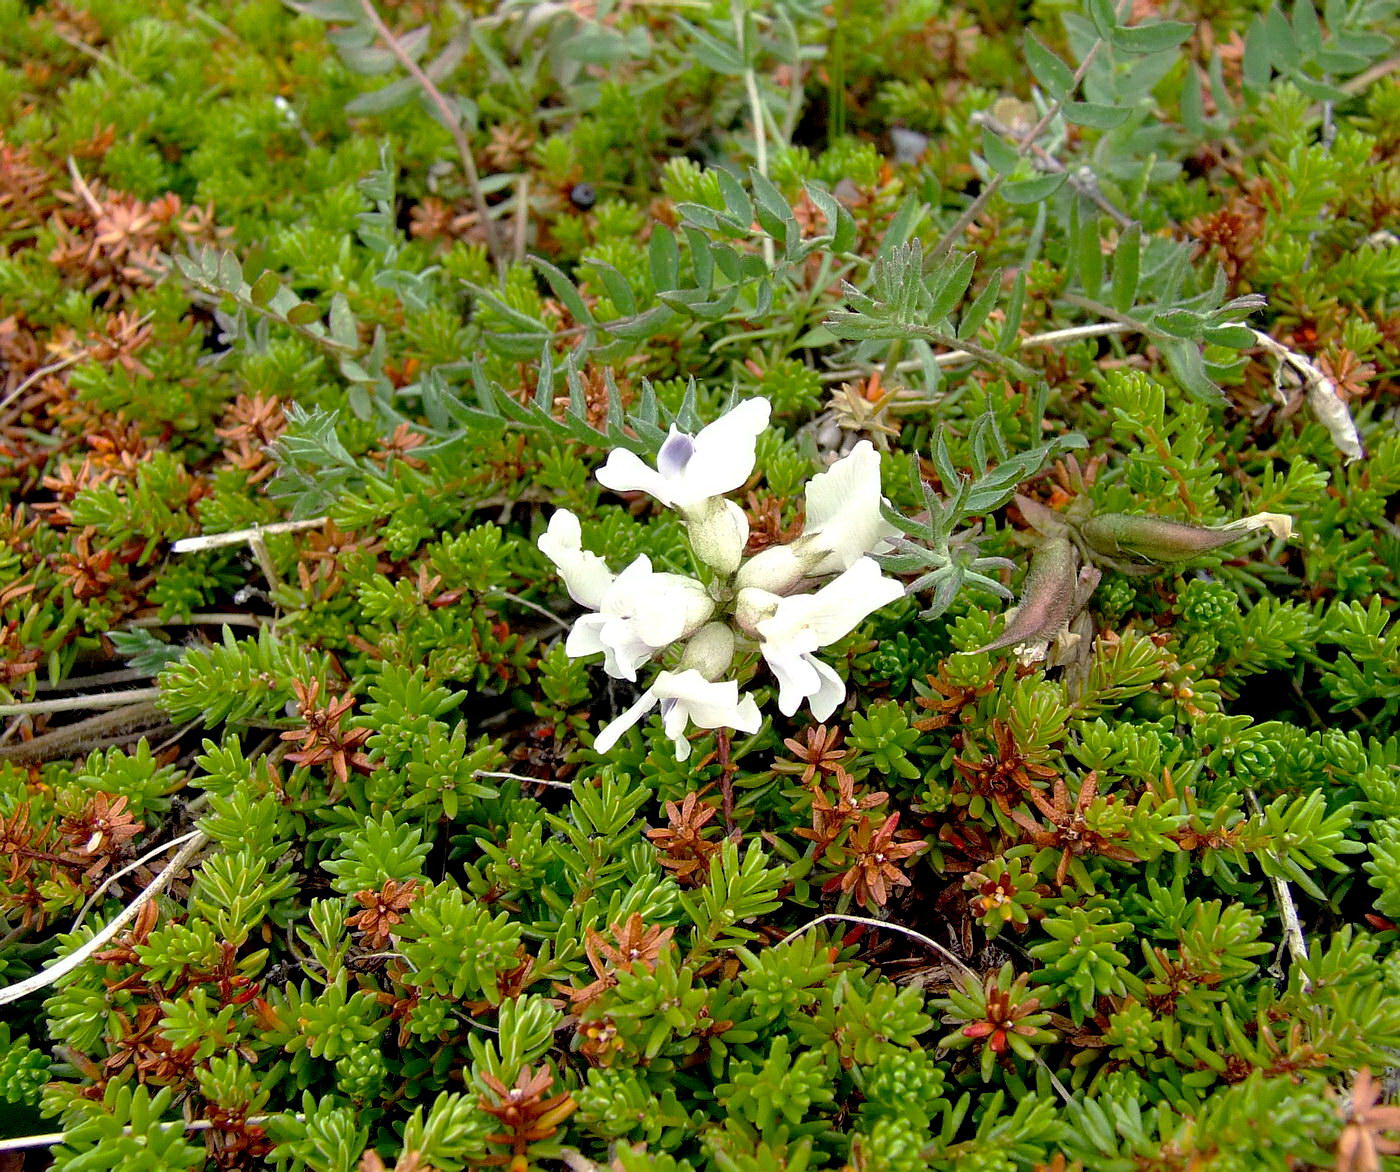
{"type": "Point", "coordinates": [243, 281]}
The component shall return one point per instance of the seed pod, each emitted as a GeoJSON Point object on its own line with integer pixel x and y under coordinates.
{"type": "Point", "coordinates": [1156, 539]}
{"type": "Point", "coordinates": [1047, 598]}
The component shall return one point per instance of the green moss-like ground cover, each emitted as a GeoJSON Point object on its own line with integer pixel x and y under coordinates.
{"type": "Point", "coordinates": [1108, 883]}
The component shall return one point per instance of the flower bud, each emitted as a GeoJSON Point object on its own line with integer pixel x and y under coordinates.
{"type": "Point", "coordinates": [1156, 539]}
{"type": "Point", "coordinates": [710, 651]}
{"type": "Point", "coordinates": [718, 532]}
{"type": "Point", "coordinates": [777, 569]}
{"type": "Point", "coordinates": [751, 607]}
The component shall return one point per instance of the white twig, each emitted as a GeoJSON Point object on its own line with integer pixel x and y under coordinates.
{"type": "Point", "coordinates": [42, 373]}
{"type": "Point", "coordinates": [534, 606]}
{"type": "Point", "coordinates": [83, 189]}
{"type": "Point", "coordinates": [106, 883]}
{"type": "Point", "coordinates": [1288, 910]}
{"type": "Point", "coordinates": [263, 556]}
{"type": "Point", "coordinates": [82, 355]}
{"type": "Point", "coordinates": [871, 922]}
{"type": "Point", "coordinates": [928, 942]}
{"type": "Point", "coordinates": [66, 964]}
{"type": "Point", "coordinates": [522, 220]}
{"type": "Point", "coordinates": [211, 619]}
{"type": "Point", "coordinates": [69, 703]}
{"type": "Point", "coordinates": [521, 777]}
{"type": "Point", "coordinates": [1327, 405]}
{"type": "Point", "coordinates": [50, 1138]}
{"type": "Point", "coordinates": [243, 536]}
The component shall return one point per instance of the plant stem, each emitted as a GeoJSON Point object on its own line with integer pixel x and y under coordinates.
{"type": "Point", "coordinates": [1086, 186]}
{"type": "Point", "coordinates": [836, 85]}
{"type": "Point", "coordinates": [726, 781]}
{"type": "Point", "coordinates": [452, 120]}
{"type": "Point", "coordinates": [155, 852]}
{"type": "Point", "coordinates": [1288, 911]}
{"type": "Point", "coordinates": [760, 127]}
{"type": "Point", "coordinates": [1010, 365]}
{"type": "Point", "coordinates": [68, 703]}
{"type": "Point", "coordinates": [958, 357]}
{"type": "Point", "coordinates": [521, 777]}
{"type": "Point", "coordinates": [984, 197]}
{"type": "Point", "coordinates": [66, 964]}
{"type": "Point", "coordinates": [243, 536]}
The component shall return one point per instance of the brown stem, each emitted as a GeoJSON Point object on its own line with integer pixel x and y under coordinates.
{"type": "Point", "coordinates": [451, 119]}
{"type": "Point", "coordinates": [726, 782]}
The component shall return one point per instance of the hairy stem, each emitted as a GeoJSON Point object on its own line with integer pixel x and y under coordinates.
{"type": "Point", "coordinates": [984, 197]}
{"type": "Point", "coordinates": [960, 356]}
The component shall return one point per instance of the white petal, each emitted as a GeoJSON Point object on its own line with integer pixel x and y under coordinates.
{"type": "Point", "coordinates": [808, 621]}
{"type": "Point", "coordinates": [797, 677]}
{"type": "Point", "coordinates": [662, 608]}
{"type": "Point", "coordinates": [623, 651]}
{"type": "Point", "coordinates": [1279, 524]}
{"type": "Point", "coordinates": [625, 472]}
{"type": "Point", "coordinates": [843, 520]}
{"type": "Point", "coordinates": [586, 575]}
{"type": "Point", "coordinates": [688, 698]}
{"type": "Point", "coordinates": [708, 705]}
{"type": "Point", "coordinates": [613, 733]}
{"type": "Point", "coordinates": [586, 636]}
{"type": "Point", "coordinates": [824, 701]}
{"type": "Point", "coordinates": [747, 717]}
{"type": "Point", "coordinates": [724, 452]}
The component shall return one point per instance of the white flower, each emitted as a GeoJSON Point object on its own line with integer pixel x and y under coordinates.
{"type": "Point", "coordinates": [691, 469]}
{"type": "Point", "coordinates": [1279, 524]}
{"type": "Point", "coordinates": [686, 697]}
{"type": "Point", "coordinates": [843, 523]}
{"type": "Point", "coordinates": [639, 613]}
{"type": "Point", "coordinates": [791, 629]}
{"type": "Point", "coordinates": [586, 576]}
{"type": "Point", "coordinates": [843, 512]}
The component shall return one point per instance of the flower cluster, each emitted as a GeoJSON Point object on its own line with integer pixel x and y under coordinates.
{"type": "Point", "coordinates": [773, 604]}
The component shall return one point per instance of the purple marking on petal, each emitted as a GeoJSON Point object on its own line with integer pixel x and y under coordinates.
{"type": "Point", "coordinates": [675, 454]}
